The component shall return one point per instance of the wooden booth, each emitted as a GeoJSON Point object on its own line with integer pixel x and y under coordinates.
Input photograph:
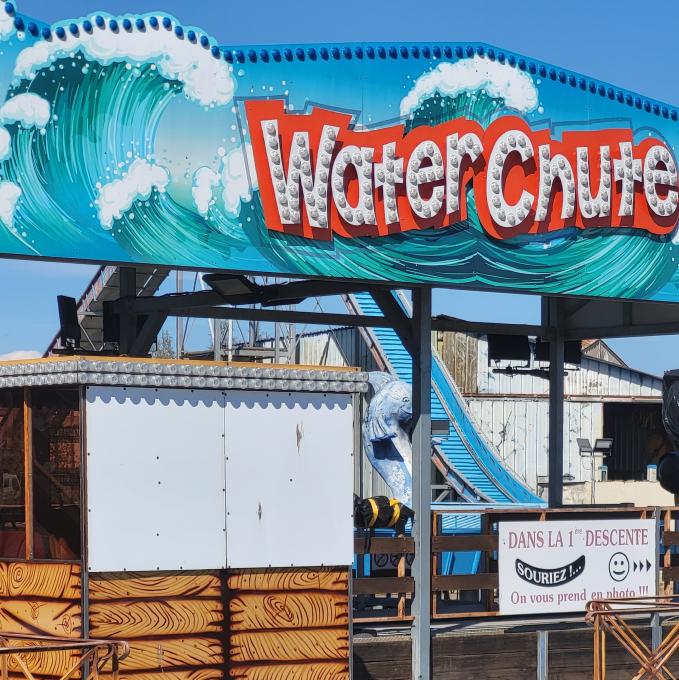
{"type": "Point", "coordinates": [199, 510]}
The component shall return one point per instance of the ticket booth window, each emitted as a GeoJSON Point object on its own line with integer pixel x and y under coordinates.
{"type": "Point", "coordinates": [12, 498]}
{"type": "Point", "coordinates": [56, 463]}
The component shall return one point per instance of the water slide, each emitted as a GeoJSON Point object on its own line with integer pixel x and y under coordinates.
{"type": "Point", "coordinates": [464, 457]}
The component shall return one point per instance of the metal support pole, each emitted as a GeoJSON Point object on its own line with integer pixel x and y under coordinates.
{"type": "Point", "coordinates": [656, 631]}
{"type": "Point", "coordinates": [554, 315]}
{"type": "Point", "coordinates": [180, 322]}
{"type": "Point", "coordinates": [421, 569]}
{"type": "Point", "coordinates": [543, 655]}
{"type": "Point", "coordinates": [229, 342]}
{"type": "Point", "coordinates": [128, 321]}
{"type": "Point", "coordinates": [217, 339]}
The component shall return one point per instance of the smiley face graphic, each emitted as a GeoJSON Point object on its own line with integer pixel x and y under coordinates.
{"type": "Point", "coordinates": [618, 566]}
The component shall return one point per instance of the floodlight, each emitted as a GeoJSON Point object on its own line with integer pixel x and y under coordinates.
{"type": "Point", "coordinates": [229, 285]}
{"type": "Point", "coordinates": [584, 446]}
{"type": "Point", "coordinates": [603, 446]}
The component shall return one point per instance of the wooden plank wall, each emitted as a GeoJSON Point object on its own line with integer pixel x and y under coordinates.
{"type": "Point", "coordinates": [174, 622]}
{"type": "Point", "coordinates": [289, 624]}
{"type": "Point", "coordinates": [497, 655]}
{"type": "Point", "coordinates": [459, 352]}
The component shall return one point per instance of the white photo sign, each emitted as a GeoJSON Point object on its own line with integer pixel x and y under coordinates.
{"type": "Point", "coordinates": [547, 567]}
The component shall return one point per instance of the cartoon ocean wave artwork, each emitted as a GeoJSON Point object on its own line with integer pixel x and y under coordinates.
{"type": "Point", "coordinates": [123, 139]}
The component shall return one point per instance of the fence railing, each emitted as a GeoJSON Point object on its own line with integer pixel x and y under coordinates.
{"type": "Point", "coordinates": [464, 570]}
{"type": "Point", "coordinates": [382, 588]}
{"type": "Point", "coordinates": [31, 656]}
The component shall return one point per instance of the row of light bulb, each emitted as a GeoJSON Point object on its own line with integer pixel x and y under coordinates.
{"type": "Point", "coordinates": [185, 381]}
{"type": "Point", "coordinates": [146, 368]}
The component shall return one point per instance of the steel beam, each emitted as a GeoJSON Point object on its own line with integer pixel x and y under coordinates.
{"type": "Point", "coordinates": [553, 310]}
{"type": "Point", "coordinates": [284, 316]}
{"type": "Point", "coordinates": [128, 320]}
{"type": "Point", "coordinates": [421, 466]}
{"type": "Point", "coordinates": [290, 292]}
{"type": "Point", "coordinates": [211, 311]}
{"type": "Point", "coordinates": [147, 335]}
{"type": "Point", "coordinates": [169, 303]}
{"type": "Point", "coordinates": [273, 295]}
{"type": "Point", "coordinates": [395, 317]}
{"type": "Point", "coordinates": [451, 323]}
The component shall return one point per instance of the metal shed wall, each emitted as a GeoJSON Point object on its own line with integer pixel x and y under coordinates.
{"type": "Point", "coordinates": [519, 431]}
{"type": "Point", "coordinates": [512, 409]}
{"type": "Point", "coordinates": [594, 378]}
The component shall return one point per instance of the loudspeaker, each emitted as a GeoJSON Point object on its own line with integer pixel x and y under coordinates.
{"type": "Point", "coordinates": [69, 328]}
{"type": "Point", "coordinates": [514, 347]}
{"type": "Point", "coordinates": [572, 351]}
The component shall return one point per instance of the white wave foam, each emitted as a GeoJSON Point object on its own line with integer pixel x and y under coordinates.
{"type": "Point", "coordinates": [5, 144]}
{"type": "Point", "coordinates": [204, 179]}
{"type": "Point", "coordinates": [206, 79]}
{"type": "Point", "coordinates": [116, 197]}
{"type": "Point", "coordinates": [6, 23]}
{"type": "Point", "coordinates": [9, 197]}
{"type": "Point", "coordinates": [28, 109]}
{"type": "Point", "coordinates": [236, 177]}
{"type": "Point", "coordinates": [467, 75]}
{"type": "Point", "coordinates": [238, 185]}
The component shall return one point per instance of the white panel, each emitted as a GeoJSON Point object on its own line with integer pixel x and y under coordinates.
{"type": "Point", "coordinates": [289, 479]}
{"type": "Point", "coordinates": [155, 479]}
{"type": "Point", "coordinates": [482, 368]}
{"type": "Point", "coordinates": [520, 442]}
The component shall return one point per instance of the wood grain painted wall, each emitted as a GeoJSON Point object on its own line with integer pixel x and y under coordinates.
{"type": "Point", "coordinates": [279, 624]}
{"type": "Point", "coordinates": [41, 598]}
{"type": "Point", "coordinates": [174, 622]}
{"type": "Point", "coordinates": [289, 624]}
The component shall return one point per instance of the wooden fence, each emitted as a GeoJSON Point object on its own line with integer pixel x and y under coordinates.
{"type": "Point", "coordinates": [385, 594]}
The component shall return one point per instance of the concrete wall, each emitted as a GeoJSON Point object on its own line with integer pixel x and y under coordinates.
{"type": "Point", "coordinates": [641, 494]}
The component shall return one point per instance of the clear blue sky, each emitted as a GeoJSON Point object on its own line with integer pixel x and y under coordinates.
{"type": "Point", "coordinates": [611, 40]}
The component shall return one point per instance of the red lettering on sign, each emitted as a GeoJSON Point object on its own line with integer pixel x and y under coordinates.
{"type": "Point", "coordinates": [319, 176]}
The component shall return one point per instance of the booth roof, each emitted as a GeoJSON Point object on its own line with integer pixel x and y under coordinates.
{"type": "Point", "coordinates": [127, 372]}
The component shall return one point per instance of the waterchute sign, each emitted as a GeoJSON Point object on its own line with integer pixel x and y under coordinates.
{"type": "Point", "coordinates": [382, 181]}
{"type": "Point", "coordinates": [141, 139]}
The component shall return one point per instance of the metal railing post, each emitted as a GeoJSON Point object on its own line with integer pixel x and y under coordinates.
{"type": "Point", "coordinates": [543, 655]}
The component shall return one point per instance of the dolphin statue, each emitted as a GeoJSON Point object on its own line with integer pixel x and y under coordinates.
{"type": "Point", "coordinates": [386, 433]}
